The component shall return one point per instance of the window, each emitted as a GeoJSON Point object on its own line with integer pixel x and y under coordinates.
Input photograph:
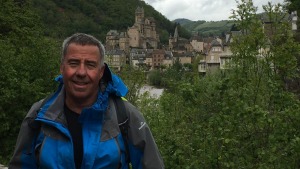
{"type": "Point", "coordinates": [202, 66]}
{"type": "Point", "coordinates": [224, 61]}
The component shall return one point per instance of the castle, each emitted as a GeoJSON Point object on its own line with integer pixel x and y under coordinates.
{"type": "Point", "coordinates": [141, 35]}
{"type": "Point", "coordinates": [140, 46]}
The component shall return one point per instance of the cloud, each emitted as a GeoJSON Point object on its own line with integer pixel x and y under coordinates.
{"type": "Point", "coordinates": [209, 10]}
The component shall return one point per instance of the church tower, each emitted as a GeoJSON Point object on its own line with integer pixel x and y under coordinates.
{"type": "Point", "coordinates": [176, 36]}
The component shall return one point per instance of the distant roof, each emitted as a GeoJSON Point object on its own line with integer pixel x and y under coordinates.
{"type": "Point", "coordinates": [138, 50]}
{"type": "Point", "coordinates": [186, 54]}
{"type": "Point", "coordinates": [197, 38]}
{"type": "Point", "coordinates": [115, 52]}
{"type": "Point", "coordinates": [159, 51]}
{"type": "Point", "coordinates": [215, 42]}
{"type": "Point", "coordinates": [169, 53]}
{"type": "Point", "coordinates": [113, 33]}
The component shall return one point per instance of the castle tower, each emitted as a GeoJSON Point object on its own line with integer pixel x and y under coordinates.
{"type": "Point", "coordinates": [141, 35]}
{"type": "Point", "coordinates": [124, 42]}
{"type": "Point", "coordinates": [139, 15]}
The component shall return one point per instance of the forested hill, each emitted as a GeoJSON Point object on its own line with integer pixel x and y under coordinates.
{"type": "Point", "coordinates": [206, 28]}
{"type": "Point", "coordinates": [97, 17]}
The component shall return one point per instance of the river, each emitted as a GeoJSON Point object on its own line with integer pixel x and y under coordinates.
{"type": "Point", "coordinates": [154, 92]}
{"type": "Point", "coordinates": [2, 167]}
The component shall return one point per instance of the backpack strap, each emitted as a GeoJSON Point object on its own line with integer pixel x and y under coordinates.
{"type": "Point", "coordinates": [123, 122]}
{"type": "Point", "coordinates": [35, 125]}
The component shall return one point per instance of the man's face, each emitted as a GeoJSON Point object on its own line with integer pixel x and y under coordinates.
{"type": "Point", "coordinates": [82, 72]}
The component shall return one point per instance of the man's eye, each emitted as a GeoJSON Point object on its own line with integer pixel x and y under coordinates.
{"type": "Point", "coordinates": [91, 65]}
{"type": "Point", "coordinates": [73, 63]}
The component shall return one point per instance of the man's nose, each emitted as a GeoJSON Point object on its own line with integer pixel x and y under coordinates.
{"type": "Point", "coordinates": [81, 70]}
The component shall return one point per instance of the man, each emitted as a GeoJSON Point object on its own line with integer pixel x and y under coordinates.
{"type": "Point", "coordinates": [77, 126]}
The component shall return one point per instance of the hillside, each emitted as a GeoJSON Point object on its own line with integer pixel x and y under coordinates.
{"type": "Point", "coordinates": [201, 27]}
{"type": "Point", "coordinates": [62, 18]}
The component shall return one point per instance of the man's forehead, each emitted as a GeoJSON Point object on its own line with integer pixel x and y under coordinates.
{"type": "Point", "coordinates": [91, 49]}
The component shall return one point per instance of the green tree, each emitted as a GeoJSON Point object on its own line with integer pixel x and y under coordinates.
{"type": "Point", "coordinates": [27, 66]}
{"type": "Point", "coordinates": [242, 117]}
{"type": "Point", "coordinates": [154, 78]}
{"type": "Point", "coordinates": [292, 6]}
{"type": "Point", "coordinates": [134, 79]}
{"type": "Point", "coordinates": [64, 18]}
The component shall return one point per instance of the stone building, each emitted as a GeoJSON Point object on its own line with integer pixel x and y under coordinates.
{"type": "Point", "coordinates": [141, 35]}
{"type": "Point", "coordinates": [178, 44]}
{"type": "Point", "coordinates": [198, 44]}
{"type": "Point", "coordinates": [218, 55]}
{"type": "Point", "coordinates": [158, 57]}
{"type": "Point", "coordinates": [116, 58]}
{"type": "Point", "coordinates": [140, 57]}
{"type": "Point", "coordinates": [151, 58]}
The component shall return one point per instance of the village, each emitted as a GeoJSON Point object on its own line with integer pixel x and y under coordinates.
{"type": "Point", "coordinates": [139, 46]}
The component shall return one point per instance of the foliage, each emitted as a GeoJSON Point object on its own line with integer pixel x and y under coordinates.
{"type": "Point", "coordinates": [294, 84]}
{"type": "Point", "coordinates": [293, 5]}
{"type": "Point", "coordinates": [27, 67]}
{"type": "Point", "coordinates": [154, 78]}
{"type": "Point", "coordinates": [182, 31]}
{"type": "Point", "coordinates": [216, 27]}
{"type": "Point", "coordinates": [134, 79]}
{"type": "Point", "coordinates": [243, 117]}
{"type": "Point", "coordinates": [210, 28]}
{"type": "Point", "coordinates": [64, 18]}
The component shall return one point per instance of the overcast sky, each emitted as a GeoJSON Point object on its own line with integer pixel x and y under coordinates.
{"type": "Point", "coordinates": [208, 10]}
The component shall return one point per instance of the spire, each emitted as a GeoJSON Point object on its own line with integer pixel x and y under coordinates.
{"type": "Point", "coordinates": [176, 36]}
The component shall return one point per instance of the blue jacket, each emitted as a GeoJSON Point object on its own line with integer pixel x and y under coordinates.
{"type": "Point", "coordinates": [44, 140]}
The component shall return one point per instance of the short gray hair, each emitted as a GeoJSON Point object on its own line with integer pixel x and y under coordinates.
{"type": "Point", "coordinates": [83, 39]}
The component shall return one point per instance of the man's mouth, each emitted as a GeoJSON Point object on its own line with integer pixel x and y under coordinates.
{"type": "Point", "coordinates": [78, 83]}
